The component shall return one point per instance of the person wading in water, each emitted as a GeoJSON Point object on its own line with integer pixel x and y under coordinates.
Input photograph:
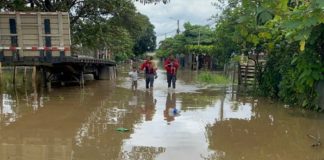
{"type": "Point", "coordinates": [171, 65]}
{"type": "Point", "coordinates": [150, 72]}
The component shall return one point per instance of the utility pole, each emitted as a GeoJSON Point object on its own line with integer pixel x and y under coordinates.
{"type": "Point", "coordinates": [178, 29]}
{"type": "Point", "coordinates": [198, 37]}
{"type": "Point", "coordinates": [178, 25]}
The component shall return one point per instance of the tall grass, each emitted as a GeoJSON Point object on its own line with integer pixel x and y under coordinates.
{"type": "Point", "coordinates": [212, 78]}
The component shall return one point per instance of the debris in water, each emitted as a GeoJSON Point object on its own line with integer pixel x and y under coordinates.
{"type": "Point", "coordinates": [317, 143]}
{"type": "Point", "coordinates": [174, 112]}
{"type": "Point", "coordinates": [122, 129]}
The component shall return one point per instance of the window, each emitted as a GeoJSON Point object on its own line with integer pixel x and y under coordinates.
{"type": "Point", "coordinates": [13, 26]}
{"type": "Point", "coordinates": [47, 26]}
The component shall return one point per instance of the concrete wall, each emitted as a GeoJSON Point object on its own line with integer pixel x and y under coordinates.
{"type": "Point", "coordinates": [107, 73]}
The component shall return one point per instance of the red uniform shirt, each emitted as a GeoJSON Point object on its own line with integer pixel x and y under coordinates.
{"type": "Point", "coordinates": [171, 66]}
{"type": "Point", "coordinates": [149, 67]}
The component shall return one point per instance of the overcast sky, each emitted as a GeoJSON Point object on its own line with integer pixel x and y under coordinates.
{"type": "Point", "coordinates": [164, 16]}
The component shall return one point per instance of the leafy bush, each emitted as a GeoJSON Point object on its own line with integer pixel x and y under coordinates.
{"type": "Point", "coordinates": [292, 77]}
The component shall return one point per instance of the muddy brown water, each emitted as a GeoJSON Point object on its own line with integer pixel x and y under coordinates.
{"type": "Point", "coordinates": [208, 123]}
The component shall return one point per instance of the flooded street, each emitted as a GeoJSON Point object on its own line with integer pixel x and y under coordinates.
{"type": "Point", "coordinates": [191, 123]}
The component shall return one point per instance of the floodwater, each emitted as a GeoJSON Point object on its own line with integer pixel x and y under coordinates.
{"type": "Point", "coordinates": [70, 123]}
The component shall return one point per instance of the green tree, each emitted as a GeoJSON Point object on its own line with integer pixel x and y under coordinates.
{"type": "Point", "coordinates": [290, 32]}
{"type": "Point", "coordinates": [192, 35]}
{"type": "Point", "coordinates": [154, 1]}
{"type": "Point", "coordinates": [141, 30]}
{"type": "Point", "coordinates": [146, 42]}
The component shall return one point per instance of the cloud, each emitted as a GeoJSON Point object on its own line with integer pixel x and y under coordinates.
{"type": "Point", "coordinates": [164, 16]}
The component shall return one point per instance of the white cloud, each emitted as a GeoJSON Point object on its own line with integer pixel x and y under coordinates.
{"type": "Point", "coordinates": [164, 16]}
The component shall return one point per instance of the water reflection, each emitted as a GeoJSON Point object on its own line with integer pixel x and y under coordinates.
{"type": "Point", "coordinates": [69, 123]}
{"type": "Point", "coordinates": [233, 107]}
{"type": "Point", "coordinates": [199, 100]}
{"type": "Point", "coordinates": [97, 138]}
{"type": "Point", "coordinates": [142, 152]}
{"type": "Point", "coordinates": [28, 136]}
{"type": "Point", "coordinates": [170, 107]}
{"type": "Point", "coordinates": [74, 123]}
{"type": "Point", "coordinates": [248, 129]}
{"type": "Point", "coordinates": [17, 103]}
{"type": "Point", "coordinates": [7, 113]}
{"type": "Point", "coordinates": [148, 109]}
{"type": "Point", "coordinates": [133, 101]}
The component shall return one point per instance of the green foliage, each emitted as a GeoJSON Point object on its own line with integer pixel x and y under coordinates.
{"type": "Point", "coordinates": [174, 45]}
{"type": "Point", "coordinates": [210, 78]}
{"type": "Point", "coordinates": [290, 32]}
{"type": "Point", "coordinates": [278, 63]}
{"type": "Point", "coordinates": [200, 49]}
{"type": "Point", "coordinates": [154, 1]}
{"type": "Point", "coordinates": [196, 34]}
{"type": "Point", "coordinates": [162, 53]}
{"type": "Point", "coordinates": [300, 80]}
{"type": "Point", "coordinates": [146, 42]}
{"type": "Point", "coordinates": [140, 29]}
{"type": "Point", "coordinates": [236, 58]}
{"type": "Point", "coordinates": [187, 42]}
{"type": "Point", "coordinates": [292, 76]}
{"type": "Point", "coordinates": [100, 36]}
{"type": "Point", "coordinates": [121, 57]}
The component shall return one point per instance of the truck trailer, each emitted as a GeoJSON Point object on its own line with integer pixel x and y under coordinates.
{"type": "Point", "coordinates": [43, 40]}
{"type": "Point", "coordinates": [34, 36]}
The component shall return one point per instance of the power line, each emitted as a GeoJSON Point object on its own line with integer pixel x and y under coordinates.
{"type": "Point", "coordinates": [209, 24]}
{"type": "Point", "coordinates": [177, 31]}
{"type": "Point", "coordinates": [199, 34]}
{"type": "Point", "coordinates": [199, 26]}
{"type": "Point", "coordinates": [162, 34]}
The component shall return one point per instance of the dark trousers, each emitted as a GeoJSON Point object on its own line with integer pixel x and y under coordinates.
{"type": "Point", "coordinates": [171, 78]}
{"type": "Point", "coordinates": [149, 80]}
